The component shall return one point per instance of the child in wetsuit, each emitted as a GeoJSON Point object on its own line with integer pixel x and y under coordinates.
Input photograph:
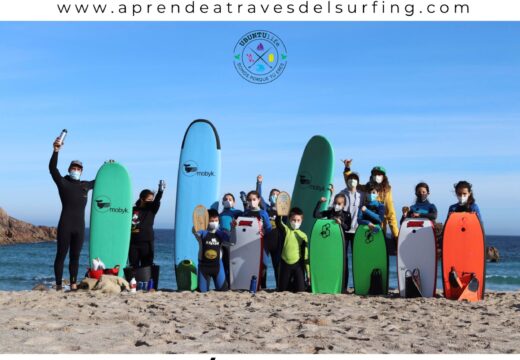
{"type": "Point", "coordinates": [422, 207]}
{"type": "Point", "coordinates": [373, 213]}
{"type": "Point", "coordinates": [210, 254]}
{"type": "Point", "coordinates": [272, 244]}
{"type": "Point", "coordinates": [226, 218]}
{"type": "Point", "coordinates": [141, 252]}
{"type": "Point", "coordinates": [294, 263]}
{"type": "Point", "coordinates": [466, 201]}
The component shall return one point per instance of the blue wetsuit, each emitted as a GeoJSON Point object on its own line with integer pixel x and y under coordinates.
{"type": "Point", "coordinates": [227, 216]}
{"type": "Point", "coordinates": [465, 208]}
{"type": "Point", "coordinates": [424, 209]}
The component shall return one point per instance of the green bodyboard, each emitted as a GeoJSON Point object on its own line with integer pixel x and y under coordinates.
{"type": "Point", "coordinates": [186, 275]}
{"type": "Point", "coordinates": [111, 216]}
{"type": "Point", "coordinates": [368, 253]}
{"type": "Point", "coordinates": [315, 174]}
{"type": "Point", "coordinates": [327, 257]}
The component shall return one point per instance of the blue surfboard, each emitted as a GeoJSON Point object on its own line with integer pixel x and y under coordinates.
{"type": "Point", "coordinates": [198, 183]}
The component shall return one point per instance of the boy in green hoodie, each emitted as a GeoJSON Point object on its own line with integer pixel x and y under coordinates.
{"type": "Point", "coordinates": [294, 264]}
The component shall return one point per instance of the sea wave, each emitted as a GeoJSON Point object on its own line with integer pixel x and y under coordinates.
{"type": "Point", "coordinates": [503, 279]}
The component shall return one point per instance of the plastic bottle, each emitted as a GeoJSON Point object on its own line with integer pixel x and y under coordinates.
{"type": "Point", "coordinates": [253, 285]}
{"type": "Point", "coordinates": [133, 285]}
{"type": "Point", "coordinates": [150, 285]}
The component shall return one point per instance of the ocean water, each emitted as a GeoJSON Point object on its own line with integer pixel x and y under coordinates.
{"type": "Point", "coordinates": [25, 265]}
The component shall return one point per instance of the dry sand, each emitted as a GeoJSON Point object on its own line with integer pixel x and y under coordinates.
{"type": "Point", "coordinates": [232, 322]}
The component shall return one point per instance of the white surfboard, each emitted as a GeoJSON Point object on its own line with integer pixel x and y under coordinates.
{"type": "Point", "coordinates": [417, 249]}
{"type": "Point", "coordinates": [246, 253]}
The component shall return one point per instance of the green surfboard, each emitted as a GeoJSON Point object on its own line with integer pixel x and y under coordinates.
{"type": "Point", "coordinates": [313, 179]}
{"type": "Point", "coordinates": [327, 257]}
{"type": "Point", "coordinates": [111, 216]}
{"type": "Point", "coordinates": [368, 254]}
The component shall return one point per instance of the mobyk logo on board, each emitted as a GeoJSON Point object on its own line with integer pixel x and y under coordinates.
{"type": "Point", "coordinates": [191, 168]}
{"type": "Point", "coordinates": [103, 205]}
{"type": "Point", "coordinates": [305, 180]}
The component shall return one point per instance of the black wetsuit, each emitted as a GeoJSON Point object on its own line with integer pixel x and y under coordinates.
{"type": "Point", "coordinates": [142, 240]}
{"type": "Point", "coordinates": [71, 228]}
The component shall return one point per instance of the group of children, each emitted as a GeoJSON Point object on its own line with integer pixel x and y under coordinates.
{"type": "Point", "coordinates": [287, 246]}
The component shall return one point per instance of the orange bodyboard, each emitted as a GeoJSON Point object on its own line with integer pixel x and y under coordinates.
{"type": "Point", "coordinates": [463, 250]}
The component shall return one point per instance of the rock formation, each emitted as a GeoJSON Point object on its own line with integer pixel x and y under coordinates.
{"type": "Point", "coordinates": [14, 231]}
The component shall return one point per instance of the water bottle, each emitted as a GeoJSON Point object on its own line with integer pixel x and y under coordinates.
{"type": "Point", "coordinates": [253, 285]}
{"type": "Point", "coordinates": [150, 285]}
{"type": "Point", "coordinates": [62, 136]}
{"type": "Point", "coordinates": [133, 285]}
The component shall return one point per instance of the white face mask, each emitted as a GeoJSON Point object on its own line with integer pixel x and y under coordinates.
{"type": "Point", "coordinates": [463, 200]}
{"type": "Point", "coordinates": [253, 204]}
{"type": "Point", "coordinates": [352, 183]}
{"type": "Point", "coordinates": [74, 174]}
{"type": "Point", "coordinates": [228, 204]}
{"type": "Point", "coordinates": [338, 208]}
{"type": "Point", "coordinates": [379, 178]}
{"type": "Point", "coordinates": [213, 226]}
{"type": "Point", "coordinates": [295, 225]}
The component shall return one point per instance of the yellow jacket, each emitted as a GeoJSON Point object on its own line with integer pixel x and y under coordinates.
{"type": "Point", "coordinates": [387, 199]}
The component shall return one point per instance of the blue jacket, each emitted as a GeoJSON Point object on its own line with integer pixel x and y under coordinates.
{"type": "Point", "coordinates": [227, 216]}
{"type": "Point", "coordinates": [370, 216]}
{"type": "Point", "coordinates": [464, 208]}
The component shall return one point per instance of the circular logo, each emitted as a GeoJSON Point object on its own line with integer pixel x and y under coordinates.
{"type": "Point", "coordinates": [260, 57]}
{"type": "Point", "coordinates": [189, 168]}
{"type": "Point", "coordinates": [102, 203]}
{"type": "Point", "coordinates": [210, 254]}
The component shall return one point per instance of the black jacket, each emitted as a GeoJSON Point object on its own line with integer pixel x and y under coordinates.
{"type": "Point", "coordinates": [344, 216]}
{"type": "Point", "coordinates": [73, 195]}
{"type": "Point", "coordinates": [143, 219]}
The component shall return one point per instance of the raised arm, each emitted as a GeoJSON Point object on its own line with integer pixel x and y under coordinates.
{"type": "Point", "coordinates": [53, 168]}
{"type": "Point", "coordinates": [318, 214]}
{"type": "Point", "coordinates": [157, 200]}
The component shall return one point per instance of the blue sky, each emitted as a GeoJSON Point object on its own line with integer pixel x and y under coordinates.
{"type": "Point", "coordinates": [429, 101]}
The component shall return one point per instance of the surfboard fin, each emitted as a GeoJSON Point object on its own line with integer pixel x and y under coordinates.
{"type": "Point", "coordinates": [412, 284]}
{"type": "Point", "coordinates": [376, 283]}
{"type": "Point", "coordinates": [454, 279]}
{"type": "Point", "coordinates": [470, 293]}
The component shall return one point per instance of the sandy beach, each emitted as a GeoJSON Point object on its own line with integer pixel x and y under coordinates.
{"type": "Point", "coordinates": [269, 322]}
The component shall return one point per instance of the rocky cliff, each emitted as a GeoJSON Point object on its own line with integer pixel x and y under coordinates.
{"type": "Point", "coordinates": [14, 231]}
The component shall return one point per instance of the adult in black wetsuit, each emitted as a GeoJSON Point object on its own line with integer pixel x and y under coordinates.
{"type": "Point", "coordinates": [71, 228]}
{"type": "Point", "coordinates": [142, 240]}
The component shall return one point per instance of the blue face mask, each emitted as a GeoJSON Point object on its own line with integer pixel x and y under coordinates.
{"type": "Point", "coordinates": [372, 197]}
{"type": "Point", "coordinates": [273, 199]}
{"type": "Point", "coordinates": [74, 174]}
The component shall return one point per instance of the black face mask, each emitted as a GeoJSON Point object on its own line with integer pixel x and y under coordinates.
{"type": "Point", "coordinates": [146, 204]}
{"type": "Point", "coordinates": [420, 198]}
